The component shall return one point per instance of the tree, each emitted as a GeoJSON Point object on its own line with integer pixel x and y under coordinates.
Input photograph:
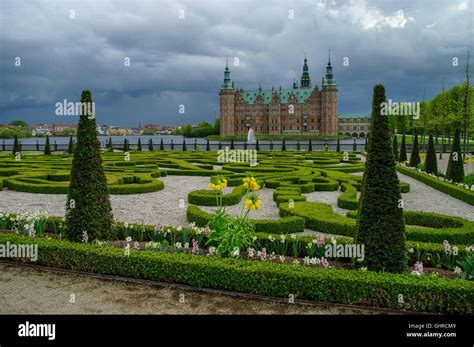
{"type": "Point", "coordinates": [455, 170]}
{"type": "Point", "coordinates": [139, 145]}
{"type": "Point", "coordinates": [47, 146]}
{"type": "Point", "coordinates": [466, 113]}
{"type": "Point", "coordinates": [431, 165]}
{"type": "Point", "coordinates": [257, 146]}
{"type": "Point", "coordinates": [88, 210]}
{"type": "Point", "coordinates": [19, 123]}
{"type": "Point", "coordinates": [110, 146]}
{"type": "Point", "coordinates": [162, 146]}
{"type": "Point", "coordinates": [395, 147]}
{"type": "Point", "coordinates": [195, 145]}
{"type": "Point", "coordinates": [365, 144]}
{"type": "Point", "coordinates": [380, 226]}
{"type": "Point", "coordinates": [310, 146]}
{"type": "Point", "coordinates": [298, 147]}
{"type": "Point", "coordinates": [283, 145]}
{"type": "Point", "coordinates": [232, 144]}
{"type": "Point", "coordinates": [208, 146]}
{"type": "Point", "coordinates": [415, 153]}
{"type": "Point", "coordinates": [172, 144]}
{"type": "Point", "coordinates": [354, 146]}
{"type": "Point", "coordinates": [70, 147]}
{"type": "Point", "coordinates": [338, 145]}
{"type": "Point", "coordinates": [150, 145]}
{"type": "Point", "coordinates": [184, 146]}
{"type": "Point", "coordinates": [125, 145]}
{"type": "Point", "coordinates": [16, 146]}
{"type": "Point", "coordinates": [403, 150]}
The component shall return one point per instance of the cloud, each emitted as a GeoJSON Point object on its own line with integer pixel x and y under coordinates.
{"type": "Point", "coordinates": [181, 61]}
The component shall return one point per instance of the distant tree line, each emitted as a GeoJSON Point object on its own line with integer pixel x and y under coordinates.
{"type": "Point", "coordinates": [202, 130]}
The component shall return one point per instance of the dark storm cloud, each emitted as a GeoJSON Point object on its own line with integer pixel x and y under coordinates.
{"type": "Point", "coordinates": [406, 45]}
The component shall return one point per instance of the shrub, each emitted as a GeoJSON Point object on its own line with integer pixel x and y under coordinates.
{"type": "Point", "coordinates": [455, 170]}
{"type": "Point", "coordinates": [395, 147]}
{"type": "Point", "coordinates": [88, 206]}
{"type": "Point", "coordinates": [431, 165]}
{"type": "Point", "coordinates": [421, 293]}
{"type": "Point", "coordinates": [139, 145]}
{"type": "Point", "coordinates": [415, 153]}
{"type": "Point", "coordinates": [47, 146]}
{"type": "Point", "coordinates": [403, 150]}
{"type": "Point", "coordinates": [380, 224]}
{"type": "Point", "coordinates": [70, 147]}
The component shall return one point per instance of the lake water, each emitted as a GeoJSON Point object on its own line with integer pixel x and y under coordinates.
{"type": "Point", "coordinates": [176, 142]}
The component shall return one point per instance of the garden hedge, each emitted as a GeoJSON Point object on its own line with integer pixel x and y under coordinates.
{"type": "Point", "coordinates": [445, 187]}
{"type": "Point", "coordinates": [420, 293]}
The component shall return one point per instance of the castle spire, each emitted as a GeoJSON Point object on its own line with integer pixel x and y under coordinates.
{"type": "Point", "coordinates": [329, 76]}
{"type": "Point", "coordinates": [227, 82]}
{"type": "Point", "coordinates": [305, 79]}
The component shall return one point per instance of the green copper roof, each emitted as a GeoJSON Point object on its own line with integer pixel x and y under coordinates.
{"type": "Point", "coordinates": [301, 95]}
{"type": "Point", "coordinates": [352, 115]}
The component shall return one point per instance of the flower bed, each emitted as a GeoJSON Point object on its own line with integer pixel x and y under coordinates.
{"type": "Point", "coordinates": [421, 293]}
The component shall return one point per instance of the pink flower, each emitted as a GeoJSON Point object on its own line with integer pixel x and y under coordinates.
{"type": "Point", "coordinates": [324, 263]}
{"type": "Point", "coordinates": [320, 240]}
{"type": "Point", "coordinates": [195, 247]}
{"type": "Point", "coordinates": [419, 267]}
{"type": "Point", "coordinates": [158, 228]}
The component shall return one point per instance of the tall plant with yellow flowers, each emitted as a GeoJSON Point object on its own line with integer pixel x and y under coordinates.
{"type": "Point", "coordinates": [230, 234]}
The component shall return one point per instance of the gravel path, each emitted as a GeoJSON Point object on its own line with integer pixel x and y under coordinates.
{"type": "Point", "coordinates": [34, 291]}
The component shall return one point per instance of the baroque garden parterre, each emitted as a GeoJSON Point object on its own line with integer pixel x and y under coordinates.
{"type": "Point", "coordinates": [278, 261]}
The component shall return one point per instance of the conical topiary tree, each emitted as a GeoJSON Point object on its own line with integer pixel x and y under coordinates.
{"type": "Point", "coordinates": [184, 145]}
{"type": "Point", "coordinates": [257, 146]}
{"type": "Point", "coordinates": [403, 150]}
{"type": "Point", "coordinates": [37, 145]}
{"type": "Point", "coordinates": [208, 145]}
{"type": "Point", "coordinates": [162, 146]}
{"type": "Point", "coordinates": [354, 146]}
{"type": "Point", "coordinates": [298, 147]}
{"type": "Point", "coordinates": [139, 145]}
{"type": "Point", "coordinates": [55, 146]}
{"type": "Point", "coordinates": [70, 147]}
{"type": "Point", "coordinates": [16, 146]}
{"type": "Point", "coordinates": [415, 153]}
{"type": "Point", "coordinates": [110, 145]}
{"type": "Point", "coordinates": [283, 145]}
{"type": "Point", "coordinates": [232, 143]}
{"type": "Point", "coordinates": [455, 170]}
{"type": "Point", "coordinates": [150, 145]}
{"type": "Point", "coordinates": [172, 145]}
{"type": "Point", "coordinates": [380, 226]}
{"type": "Point", "coordinates": [338, 145]}
{"type": "Point", "coordinates": [88, 210]}
{"type": "Point", "coordinates": [395, 147]}
{"type": "Point", "coordinates": [125, 145]}
{"type": "Point", "coordinates": [431, 165]}
{"type": "Point", "coordinates": [365, 145]}
{"type": "Point", "coordinates": [310, 146]}
{"type": "Point", "coordinates": [245, 145]}
{"type": "Point", "coordinates": [271, 145]}
{"type": "Point", "coordinates": [47, 146]}
{"type": "Point", "coordinates": [195, 145]}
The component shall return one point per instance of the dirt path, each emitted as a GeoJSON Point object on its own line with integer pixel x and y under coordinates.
{"type": "Point", "coordinates": [26, 290]}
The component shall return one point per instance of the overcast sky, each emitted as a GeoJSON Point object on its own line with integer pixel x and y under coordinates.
{"type": "Point", "coordinates": [408, 46]}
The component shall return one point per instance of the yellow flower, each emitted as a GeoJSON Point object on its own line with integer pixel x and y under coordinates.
{"type": "Point", "coordinates": [253, 203]}
{"type": "Point", "coordinates": [251, 183]}
{"type": "Point", "coordinates": [212, 186]}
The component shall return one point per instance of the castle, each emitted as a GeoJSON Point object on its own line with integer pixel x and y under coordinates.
{"type": "Point", "coordinates": [300, 110]}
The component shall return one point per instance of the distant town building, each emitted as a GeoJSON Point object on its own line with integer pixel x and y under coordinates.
{"type": "Point", "coordinates": [301, 109]}
{"type": "Point", "coordinates": [354, 125]}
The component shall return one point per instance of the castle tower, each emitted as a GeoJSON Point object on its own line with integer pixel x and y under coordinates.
{"type": "Point", "coordinates": [329, 124]}
{"type": "Point", "coordinates": [305, 79]}
{"type": "Point", "coordinates": [227, 106]}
